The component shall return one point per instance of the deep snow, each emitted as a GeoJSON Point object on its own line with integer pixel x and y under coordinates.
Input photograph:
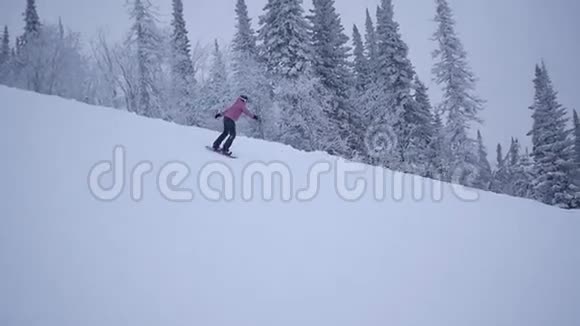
{"type": "Point", "coordinates": [67, 258]}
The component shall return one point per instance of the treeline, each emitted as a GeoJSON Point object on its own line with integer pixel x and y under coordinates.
{"type": "Point", "coordinates": [315, 88]}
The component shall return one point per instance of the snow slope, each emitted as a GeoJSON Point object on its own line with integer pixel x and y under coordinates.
{"type": "Point", "coordinates": [67, 258]}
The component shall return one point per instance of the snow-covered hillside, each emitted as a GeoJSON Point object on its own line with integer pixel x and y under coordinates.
{"type": "Point", "coordinates": [67, 258]}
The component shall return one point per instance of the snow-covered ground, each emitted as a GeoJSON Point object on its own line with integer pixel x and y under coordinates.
{"type": "Point", "coordinates": [320, 258]}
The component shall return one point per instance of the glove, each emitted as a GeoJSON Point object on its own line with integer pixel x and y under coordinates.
{"type": "Point", "coordinates": [217, 116]}
{"type": "Point", "coordinates": [256, 118]}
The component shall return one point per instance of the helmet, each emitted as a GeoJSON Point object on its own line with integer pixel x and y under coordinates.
{"type": "Point", "coordinates": [244, 98]}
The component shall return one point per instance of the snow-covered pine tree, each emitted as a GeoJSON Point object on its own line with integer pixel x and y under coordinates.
{"type": "Point", "coordinates": [512, 162]}
{"type": "Point", "coordinates": [182, 72]}
{"type": "Point", "coordinates": [5, 57]}
{"type": "Point", "coordinates": [371, 45]}
{"type": "Point", "coordinates": [32, 22]}
{"type": "Point", "coordinates": [60, 28]}
{"type": "Point", "coordinates": [330, 64]}
{"type": "Point", "coordinates": [362, 92]}
{"type": "Point", "coordinates": [552, 147]}
{"type": "Point", "coordinates": [303, 102]}
{"type": "Point", "coordinates": [577, 146]}
{"type": "Point", "coordinates": [245, 40]}
{"type": "Point", "coordinates": [300, 99]}
{"type": "Point", "coordinates": [249, 74]}
{"type": "Point", "coordinates": [395, 73]}
{"type": "Point", "coordinates": [438, 151]}
{"type": "Point", "coordinates": [500, 174]}
{"type": "Point", "coordinates": [216, 91]}
{"type": "Point", "coordinates": [514, 153]}
{"type": "Point", "coordinates": [519, 171]}
{"type": "Point", "coordinates": [360, 63]}
{"type": "Point", "coordinates": [147, 42]}
{"type": "Point", "coordinates": [218, 73]}
{"type": "Point", "coordinates": [513, 173]}
{"type": "Point", "coordinates": [500, 160]}
{"type": "Point", "coordinates": [26, 48]}
{"type": "Point", "coordinates": [523, 172]}
{"type": "Point", "coordinates": [484, 174]}
{"type": "Point", "coordinates": [245, 49]}
{"type": "Point", "coordinates": [460, 105]}
{"type": "Point", "coordinates": [419, 130]}
{"type": "Point", "coordinates": [330, 51]}
{"type": "Point", "coordinates": [16, 48]}
{"type": "Point", "coordinates": [5, 47]}
{"type": "Point", "coordinates": [284, 38]}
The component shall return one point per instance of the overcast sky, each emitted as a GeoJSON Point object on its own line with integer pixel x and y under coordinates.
{"type": "Point", "coordinates": [504, 39]}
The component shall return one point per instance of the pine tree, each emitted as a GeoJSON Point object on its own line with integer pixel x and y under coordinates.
{"type": "Point", "coordinates": [577, 146]}
{"type": "Point", "coordinates": [245, 40]}
{"type": "Point", "coordinates": [519, 172]}
{"type": "Point", "coordinates": [329, 47]}
{"type": "Point", "coordinates": [419, 129]}
{"type": "Point", "coordinates": [5, 58]}
{"type": "Point", "coordinates": [182, 70]}
{"type": "Point", "coordinates": [523, 173]}
{"type": "Point", "coordinates": [513, 174]}
{"type": "Point", "coordinates": [5, 47]}
{"type": "Point", "coordinates": [244, 45]}
{"type": "Point", "coordinates": [438, 152]}
{"type": "Point", "coordinates": [16, 49]}
{"type": "Point", "coordinates": [460, 105]}
{"type": "Point", "coordinates": [360, 65]}
{"type": "Point", "coordinates": [303, 102]}
{"type": "Point", "coordinates": [552, 147]}
{"type": "Point", "coordinates": [284, 37]}
{"type": "Point", "coordinates": [330, 64]}
{"type": "Point", "coordinates": [512, 167]}
{"type": "Point", "coordinates": [60, 28]}
{"type": "Point", "coordinates": [500, 160]}
{"type": "Point", "coordinates": [514, 153]}
{"type": "Point", "coordinates": [359, 91]}
{"type": "Point", "coordinates": [218, 72]}
{"type": "Point", "coordinates": [245, 49]}
{"type": "Point", "coordinates": [32, 21]}
{"type": "Point", "coordinates": [148, 45]}
{"type": "Point", "coordinates": [216, 91]}
{"type": "Point", "coordinates": [249, 74]}
{"type": "Point", "coordinates": [32, 30]}
{"type": "Point", "coordinates": [371, 45]}
{"type": "Point", "coordinates": [484, 174]}
{"type": "Point", "coordinates": [371, 103]}
{"type": "Point", "coordinates": [500, 175]}
{"type": "Point", "coordinates": [396, 73]}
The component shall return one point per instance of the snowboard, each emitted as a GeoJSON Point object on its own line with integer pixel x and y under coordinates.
{"type": "Point", "coordinates": [209, 148]}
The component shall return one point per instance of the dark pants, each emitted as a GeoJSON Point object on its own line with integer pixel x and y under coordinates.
{"type": "Point", "coordinates": [229, 130]}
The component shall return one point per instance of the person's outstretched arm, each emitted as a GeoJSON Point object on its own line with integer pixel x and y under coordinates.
{"type": "Point", "coordinates": [248, 113]}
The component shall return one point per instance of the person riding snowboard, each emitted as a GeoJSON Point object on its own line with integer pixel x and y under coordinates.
{"type": "Point", "coordinates": [231, 115]}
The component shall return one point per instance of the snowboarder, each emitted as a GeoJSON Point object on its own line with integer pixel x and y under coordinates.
{"type": "Point", "coordinates": [230, 116]}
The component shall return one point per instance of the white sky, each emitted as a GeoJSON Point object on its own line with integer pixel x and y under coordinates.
{"type": "Point", "coordinates": [504, 39]}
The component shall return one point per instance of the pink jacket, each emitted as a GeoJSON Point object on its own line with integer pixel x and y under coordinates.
{"type": "Point", "coordinates": [236, 110]}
